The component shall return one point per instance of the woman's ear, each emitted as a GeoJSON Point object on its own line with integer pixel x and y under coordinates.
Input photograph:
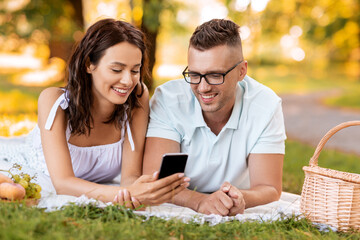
{"type": "Point", "coordinates": [89, 67]}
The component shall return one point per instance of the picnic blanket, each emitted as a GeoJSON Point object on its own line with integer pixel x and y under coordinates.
{"type": "Point", "coordinates": [287, 206]}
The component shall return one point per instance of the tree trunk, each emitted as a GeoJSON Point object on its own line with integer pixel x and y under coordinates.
{"type": "Point", "coordinates": [62, 49]}
{"type": "Point", "coordinates": [150, 26]}
{"type": "Point", "coordinates": [79, 17]}
{"type": "Point", "coordinates": [151, 38]}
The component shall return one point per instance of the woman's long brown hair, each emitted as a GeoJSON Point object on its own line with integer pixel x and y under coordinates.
{"type": "Point", "coordinates": [97, 39]}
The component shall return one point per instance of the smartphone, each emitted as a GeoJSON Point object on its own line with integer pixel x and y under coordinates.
{"type": "Point", "coordinates": [172, 163]}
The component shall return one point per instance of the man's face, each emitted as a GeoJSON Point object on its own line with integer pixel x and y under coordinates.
{"type": "Point", "coordinates": [216, 99]}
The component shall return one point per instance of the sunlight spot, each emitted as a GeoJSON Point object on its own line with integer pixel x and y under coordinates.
{"type": "Point", "coordinates": [182, 16]}
{"type": "Point", "coordinates": [13, 5]}
{"type": "Point", "coordinates": [296, 31]}
{"type": "Point", "coordinates": [17, 125]}
{"type": "Point", "coordinates": [106, 9]}
{"type": "Point", "coordinates": [245, 32]}
{"type": "Point", "coordinates": [324, 20]}
{"type": "Point", "coordinates": [287, 41]}
{"type": "Point", "coordinates": [297, 54]}
{"type": "Point", "coordinates": [21, 127]}
{"type": "Point", "coordinates": [18, 61]}
{"type": "Point", "coordinates": [242, 5]}
{"type": "Point", "coordinates": [53, 72]}
{"type": "Point", "coordinates": [208, 13]}
{"type": "Point", "coordinates": [259, 5]}
{"type": "Point", "coordinates": [317, 12]}
{"type": "Point", "coordinates": [170, 71]}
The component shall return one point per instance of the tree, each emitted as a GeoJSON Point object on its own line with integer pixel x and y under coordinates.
{"type": "Point", "coordinates": [150, 25]}
{"type": "Point", "coordinates": [58, 19]}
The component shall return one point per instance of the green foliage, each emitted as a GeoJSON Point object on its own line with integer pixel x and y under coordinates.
{"type": "Point", "coordinates": [330, 28]}
{"type": "Point", "coordinates": [152, 10]}
{"type": "Point", "coordinates": [52, 16]}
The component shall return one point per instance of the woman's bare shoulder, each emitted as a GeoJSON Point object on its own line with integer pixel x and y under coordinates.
{"type": "Point", "coordinates": [47, 98]}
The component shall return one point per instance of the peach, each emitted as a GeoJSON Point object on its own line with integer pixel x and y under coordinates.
{"type": "Point", "coordinates": [4, 178]}
{"type": "Point", "coordinates": [12, 191]}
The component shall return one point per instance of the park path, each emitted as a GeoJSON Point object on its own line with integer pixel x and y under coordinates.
{"type": "Point", "coordinates": [308, 120]}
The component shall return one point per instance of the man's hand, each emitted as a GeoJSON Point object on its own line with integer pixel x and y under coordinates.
{"type": "Point", "coordinates": [216, 203]}
{"type": "Point", "coordinates": [237, 198]}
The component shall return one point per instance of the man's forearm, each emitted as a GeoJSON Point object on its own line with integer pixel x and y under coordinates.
{"type": "Point", "coordinates": [260, 195]}
{"type": "Point", "coordinates": [189, 198]}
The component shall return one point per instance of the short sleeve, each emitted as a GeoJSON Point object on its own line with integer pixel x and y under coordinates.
{"type": "Point", "coordinates": [161, 120]}
{"type": "Point", "coordinates": [272, 139]}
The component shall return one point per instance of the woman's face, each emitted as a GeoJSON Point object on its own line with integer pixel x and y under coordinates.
{"type": "Point", "coordinates": [116, 74]}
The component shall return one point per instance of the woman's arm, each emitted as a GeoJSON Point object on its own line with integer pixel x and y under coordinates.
{"type": "Point", "coordinates": [57, 155]}
{"type": "Point", "coordinates": [132, 161]}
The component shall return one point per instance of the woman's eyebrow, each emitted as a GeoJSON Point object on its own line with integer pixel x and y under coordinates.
{"type": "Point", "coordinates": [124, 65]}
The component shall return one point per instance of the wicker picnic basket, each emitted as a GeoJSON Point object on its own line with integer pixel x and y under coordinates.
{"type": "Point", "coordinates": [330, 196]}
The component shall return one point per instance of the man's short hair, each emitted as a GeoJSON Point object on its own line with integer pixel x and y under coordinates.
{"type": "Point", "coordinates": [216, 32]}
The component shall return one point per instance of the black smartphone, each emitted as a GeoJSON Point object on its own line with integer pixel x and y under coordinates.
{"type": "Point", "coordinates": [172, 163]}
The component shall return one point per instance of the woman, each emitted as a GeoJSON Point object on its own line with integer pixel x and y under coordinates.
{"type": "Point", "coordinates": [99, 129]}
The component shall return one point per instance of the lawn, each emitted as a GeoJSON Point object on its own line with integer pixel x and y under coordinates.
{"type": "Point", "coordinates": [18, 222]}
{"type": "Point", "coordinates": [18, 105]}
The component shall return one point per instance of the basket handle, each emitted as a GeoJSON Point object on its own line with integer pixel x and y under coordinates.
{"type": "Point", "coordinates": [328, 135]}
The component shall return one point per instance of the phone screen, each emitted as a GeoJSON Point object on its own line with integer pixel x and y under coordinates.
{"type": "Point", "coordinates": [172, 163]}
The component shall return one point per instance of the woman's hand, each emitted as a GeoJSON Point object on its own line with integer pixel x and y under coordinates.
{"type": "Point", "coordinates": [150, 191]}
{"type": "Point", "coordinates": [125, 199]}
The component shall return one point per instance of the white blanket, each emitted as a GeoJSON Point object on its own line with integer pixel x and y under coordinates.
{"type": "Point", "coordinates": [287, 206]}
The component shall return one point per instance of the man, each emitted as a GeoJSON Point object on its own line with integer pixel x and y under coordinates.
{"type": "Point", "coordinates": [230, 125]}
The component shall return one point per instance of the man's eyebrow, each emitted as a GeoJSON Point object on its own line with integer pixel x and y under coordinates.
{"type": "Point", "coordinates": [208, 72]}
{"type": "Point", "coordinates": [124, 65]}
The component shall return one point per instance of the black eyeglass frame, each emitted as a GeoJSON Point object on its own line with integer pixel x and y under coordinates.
{"type": "Point", "coordinates": [204, 75]}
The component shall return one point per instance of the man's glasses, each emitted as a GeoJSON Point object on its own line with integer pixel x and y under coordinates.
{"type": "Point", "coordinates": [210, 78]}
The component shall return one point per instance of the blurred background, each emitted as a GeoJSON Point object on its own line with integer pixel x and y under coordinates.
{"type": "Point", "coordinates": [292, 46]}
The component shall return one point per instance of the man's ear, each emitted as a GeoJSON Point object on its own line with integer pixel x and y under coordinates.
{"type": "Point", "coordinates": [243, 69]}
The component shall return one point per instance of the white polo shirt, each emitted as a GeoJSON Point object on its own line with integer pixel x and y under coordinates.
{"type": "Point", "coordinates": [256, 125]}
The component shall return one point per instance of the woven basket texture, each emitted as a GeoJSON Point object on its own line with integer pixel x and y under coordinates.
{"type": "Point", "coordinates": [330, 196]}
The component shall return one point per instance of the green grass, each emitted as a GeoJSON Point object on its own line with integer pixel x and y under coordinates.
{"type": "Point", "coordinates": [18, 222]}
{"type": "Point", "coordinates": [298, 155]}
{"type": "Point", "coordinates": [73, 222]}
{"type": "Point", "coordinates": [286, 80]}
{"type": "Point", "coordinates": [349, 99]}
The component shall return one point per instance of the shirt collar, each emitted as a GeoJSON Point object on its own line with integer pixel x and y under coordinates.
{"type": "Point", "coordinates": [233, 121]}
{"type": "Point", "coordinates": [199, 119]}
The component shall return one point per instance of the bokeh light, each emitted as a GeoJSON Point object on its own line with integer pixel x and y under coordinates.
{"type": "Point", "coordinates": [207, 12]}
{"type": "Point", "coordinates": [259, 5]}
{"type": "Point", "coordinates": [297, 54]}
{"type": "Point", "coordinates": [245, 32]}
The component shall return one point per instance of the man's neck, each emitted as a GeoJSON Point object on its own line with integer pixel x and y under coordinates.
{"type": "Point", "coordinates": [216, 121]}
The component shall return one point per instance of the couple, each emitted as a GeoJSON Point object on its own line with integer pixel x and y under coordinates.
{"type": "Point", "coordinates": [98, 126]}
